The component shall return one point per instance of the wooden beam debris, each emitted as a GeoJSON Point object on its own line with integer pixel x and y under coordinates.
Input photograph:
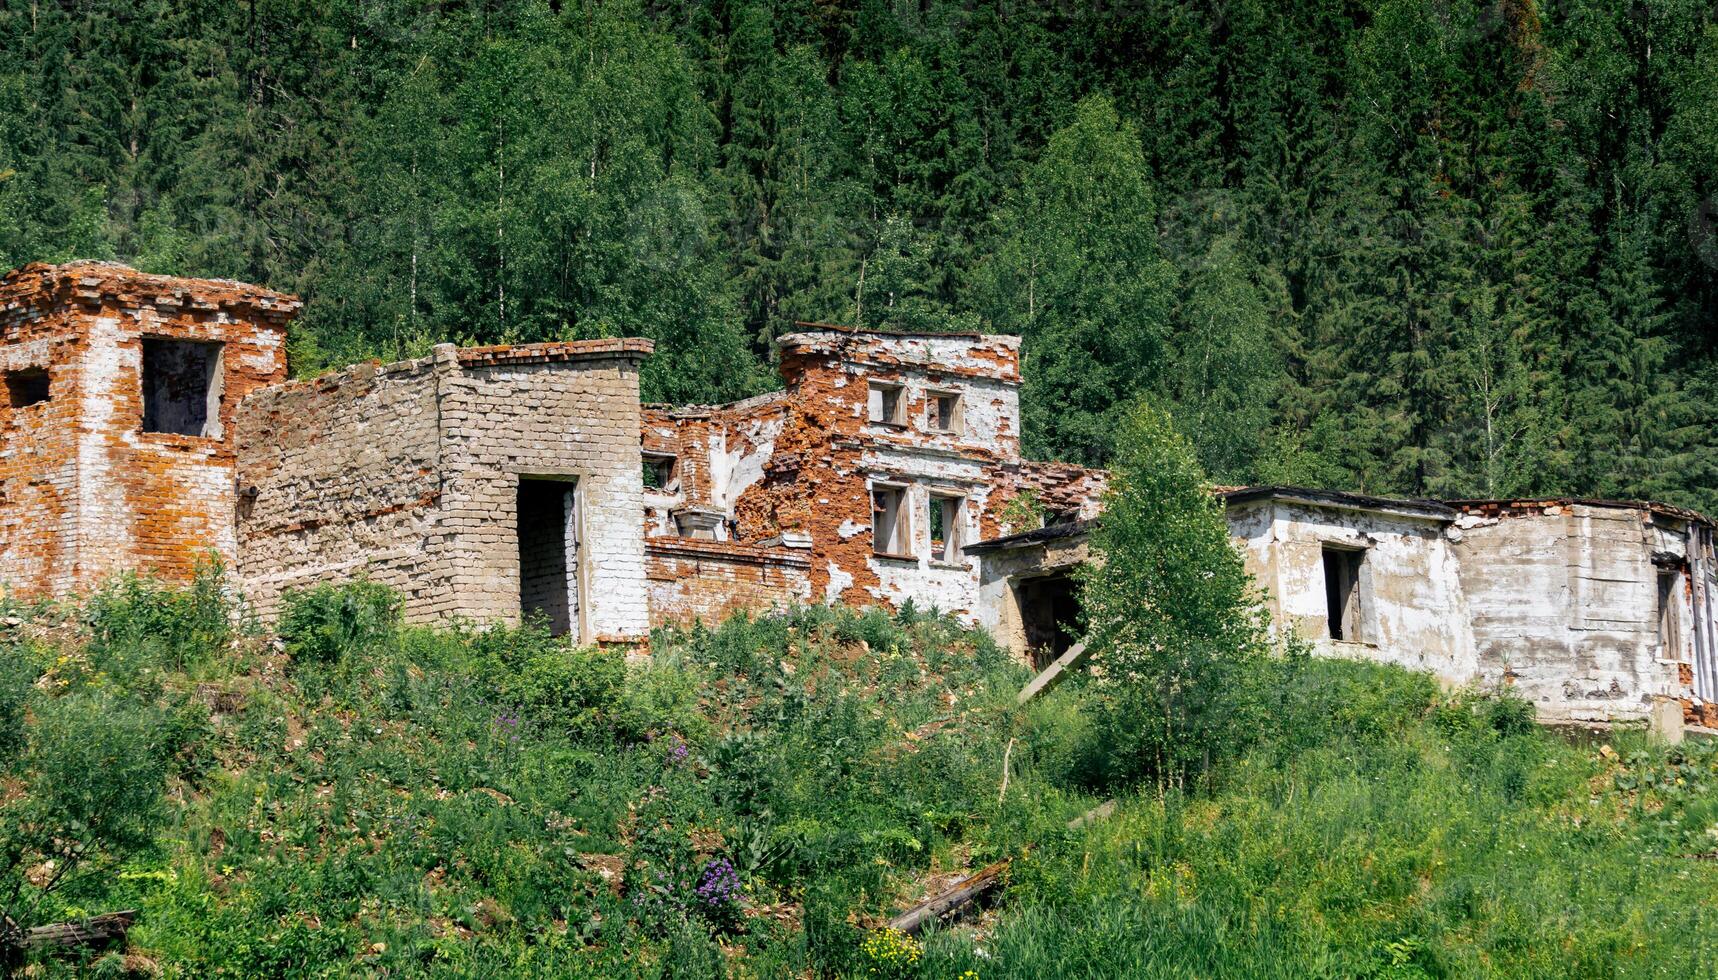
{"type": "Point", "coordinates": [1053, 674]}
{"type": "Point", "coordinates": [94, 931]}
{"type": "Point", "coordinates": [950, 903]}
{"type": "Point", "coordinates": [82, 932]}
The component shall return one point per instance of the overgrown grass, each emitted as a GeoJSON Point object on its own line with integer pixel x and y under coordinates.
{"type": "Point", "coordinates": [364, 798]}
{"type": "Point", "coordinates": [1383, 831]}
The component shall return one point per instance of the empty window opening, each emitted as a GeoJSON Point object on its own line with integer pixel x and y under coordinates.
{"type": "Point", "coordinates": [659, 472]}
{"type": "Point", "coordinates": [549, 553]}
{"type": "Point", "coordinates": [888, 404]}
{"type": "Point", "coordinates": [27, 387]}
{"type": "Point", "coordinates": [1669, 609]}
{"type": "Point", "coordinates": [945, 412]}
{"type": "Point", "coordinates": [1050, 615]}
{"type": "Point", "coordinates": [1054, 517]}
{"type": "Point", "coordinates": [889, 522]}
{"type": "Point", "coordinates": [944, 516]}
{"type": "Point", "coordinates": [181, 387]}
{"type": "Point", "coordinates": [1342, 593]}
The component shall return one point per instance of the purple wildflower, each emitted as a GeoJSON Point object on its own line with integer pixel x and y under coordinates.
{"type": "Point", "coordinates": [720, 884]}
{"type": "Point", "coordinates": [678, 752]}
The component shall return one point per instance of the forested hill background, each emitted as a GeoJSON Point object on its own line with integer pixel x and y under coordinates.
{"type": "Point", "coordinates": [1446, 247]}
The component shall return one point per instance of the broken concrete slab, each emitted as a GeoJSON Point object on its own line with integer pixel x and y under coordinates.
{"type": "Point", "coordinates": [1053, 674]}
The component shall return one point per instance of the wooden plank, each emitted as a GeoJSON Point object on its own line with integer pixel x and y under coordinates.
{"type": "Point", "coordinates": [969, 890]}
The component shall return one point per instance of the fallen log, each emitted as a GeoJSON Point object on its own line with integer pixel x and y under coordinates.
{"type": "Point", "coordinates": [1093, 815]}
{"type": "Point", "coordinates": [92, 931]}
{"type": "Point", "coordinates": [968, 890]}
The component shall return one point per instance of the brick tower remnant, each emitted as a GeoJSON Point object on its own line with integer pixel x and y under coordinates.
{"type": "Point", "coordinates": [116, 423]}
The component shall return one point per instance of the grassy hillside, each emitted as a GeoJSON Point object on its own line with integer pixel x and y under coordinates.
{"type": "Point", "coordinates": [364, 799]}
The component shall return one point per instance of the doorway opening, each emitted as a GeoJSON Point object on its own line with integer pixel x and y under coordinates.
{"type": "Point", "coordinates": [1343, 599]}
{"type": "Point", "coordinates": [1050, 613]}
{"type": "Point", "coordinates": [1669, 613]}
{"type": "Point", "coordinates": [549, 552]}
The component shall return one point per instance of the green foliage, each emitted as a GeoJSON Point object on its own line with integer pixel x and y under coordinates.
{"type": "Point", "coordinates": [326, 623]}
{"type": "Point", "coordinates": [137, 623]}
{"type": "Point", "coordinates": [18, 673]}
{"type": "Point", "coordinates": [1079, 276]}
{"type": "Point", "coordinates": [1173, 622]}
{"type": "Point", "coordinates": [1415, 834]}
{"type": "Point", "coordinates": [591, 693]}
{"type": "Point", "coordinates": [93, 775]}
{"type": "Point", "coordinates": [766, 787]}
{"type": "Point", "coordinates": [1413, 246]}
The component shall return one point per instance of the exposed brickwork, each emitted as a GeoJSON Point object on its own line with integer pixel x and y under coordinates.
{"type": "Point", "coordinates": [410, 473]}
{"type": "Point", "coordinates": [800, 466]}
{"type": "Point", "coordinates": [719, 452]}
{"type": "Point", "coordinates": [342, 475]}
{"type": "Point", "coordinates": [709, 580]}
{"type": "Point", "coordinates": [84, 491]}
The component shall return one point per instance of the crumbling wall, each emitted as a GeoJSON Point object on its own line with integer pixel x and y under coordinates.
{"type": "Point", "coordinates": [799, 467]}
{"type": "Point", "coordinates": [1061, 491]}
{"type": "Point", "coordinates": [692, 579]}
{"type": "Point", "coordinates": [830, 453]}
{"type": "Point", "coordinates": [719, 452]}
{"type": "Point", "coordinates": [410, 473]}
{"type": "Point", "coordinates": [125, 498]}
{"type": "Point", "coordinates": [39, 442]}
{"type": "Point", "coordinates": [1005, 571]}
{"type": "Point", "coordinates": [1413, 611]}
{"type": "Point", "coordinates": [341, 476]}
{"type": "Point", "coordinates": [1564, 606]}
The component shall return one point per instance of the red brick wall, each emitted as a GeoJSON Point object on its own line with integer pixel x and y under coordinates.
{"type": "Point", "coordinates": [134, 500]}
{"type": "Point", "coordinates": [692, 579]}
{"type": "Point", "coordinates": [38, 444]}
{"type": "Point", "coordinates": [823, 454]}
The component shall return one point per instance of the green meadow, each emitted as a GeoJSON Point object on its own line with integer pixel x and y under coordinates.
{"type": "Point", "coordinates": [359, 798]}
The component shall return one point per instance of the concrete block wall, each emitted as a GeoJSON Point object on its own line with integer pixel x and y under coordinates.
{"type": "Point", "coordinates": [1564, 606]}
{"type": "Point", "coordinates": [1414, 613]}
{"type": "Point", "coordinates": [568, 413]}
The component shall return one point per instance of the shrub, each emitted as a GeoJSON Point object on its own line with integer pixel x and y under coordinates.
{"type": "Point", "coordinates": [325, 624]}
{"type": "Point", "coordinates": [577, 691]}
{"type": "Point", "coordinates": [657, 698]}
{"type": "Point", "coordinates": [17, 675]}
{"type": "Point", "coordinates": [95, 772]}
{"type": "Point", "coordinates": [136, 622]}
{"type": "Point", "coordinates": [1175, 625]}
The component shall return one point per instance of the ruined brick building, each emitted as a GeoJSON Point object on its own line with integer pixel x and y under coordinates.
{"type": "Point", "coordinates": [149, 424]}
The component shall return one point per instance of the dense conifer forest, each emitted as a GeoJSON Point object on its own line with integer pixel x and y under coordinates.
{"type": "Point", "coordinates": [1446, 247]}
